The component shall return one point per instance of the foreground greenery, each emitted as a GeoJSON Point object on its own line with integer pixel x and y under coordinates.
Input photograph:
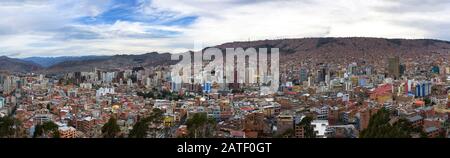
{"type": "Point", "coordinates": [141, 128]}
{"type": "Point", "coordinates": [111, 129]}
{"type": "Point", "coordinates": [200, 126]}
{"type": "Point", "coordinates": [46, 129]}
{"type": "Point", "coordinates": [379, 127]}
{"type": "Point", "coordinates": [7, 127]}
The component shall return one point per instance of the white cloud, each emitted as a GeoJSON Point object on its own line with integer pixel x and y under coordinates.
{"type": "Point", "coordinates": [291, 19]}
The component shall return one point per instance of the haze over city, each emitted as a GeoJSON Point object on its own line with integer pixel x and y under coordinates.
{"type": "Point", "coordinates": [108, 27]}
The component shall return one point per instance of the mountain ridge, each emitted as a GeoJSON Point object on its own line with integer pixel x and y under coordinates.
{"type": "Point", "coordinates": [50, 61]}
{"type": "Point", "coordinates": [291, 50]}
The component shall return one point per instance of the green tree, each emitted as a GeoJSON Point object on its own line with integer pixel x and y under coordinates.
{"type": "Point", "coordinates": [379, 127]}
{"type": "Point", "coordinates": [427, 101]}
{"type": "Point", "coordinates": [7, 127]}
{"type": "Point", "coordinates": [199, 125]}
{"type": "Point", "coordinates": [141, 128]}
{"type": "Point", "coordinates": [46, 129]}
{"type": "Point", "coordinates": [146, 95]}
{"type": "Point", "coordinates": [38, 131]}
{"type": "Point", "coordinates": [307, 127]}
{"type": "Point", "coordinates": [111, 129]}
{"type": "Point", "coordinates": [49, 107]}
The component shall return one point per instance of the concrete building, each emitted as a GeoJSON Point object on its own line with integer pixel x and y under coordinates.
{"type": "Point", "coordinates": [320, 128]}
{"type": "Point", "coordinates": [394, 67]}
{"type": "Point", "coordinates": [416, 121]}
{"type": "Point", "coordinates": [284, 123]}
{"type": "Point", "coordinates": [67, 132]}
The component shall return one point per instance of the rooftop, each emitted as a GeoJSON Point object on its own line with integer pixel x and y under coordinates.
{"type": "Point", "coordinates": [414, 118]}
{"type": "Point", "coordinates": [431, 129]}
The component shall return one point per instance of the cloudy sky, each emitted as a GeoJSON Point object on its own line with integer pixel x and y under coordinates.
{"type": "Point", "coordinates": [108, 27]}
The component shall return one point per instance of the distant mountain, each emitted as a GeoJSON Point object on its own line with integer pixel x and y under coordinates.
{"type": "Point", "coordinates": [311, 50]}
{"type": "Point", "coordinates": [50, 61]}
{"type": "Point", "coordinates": [17, 65]}
{"type": "Point", "coordinates": [112, 62]}
{"type": "Point", "coordinates": [351, 49]}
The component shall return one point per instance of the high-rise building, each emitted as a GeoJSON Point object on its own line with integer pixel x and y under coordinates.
{"type": "Point", "coordinates": [321, 73]}
{"type": "Point", "coordinates": [394, 67]}
{"type": "Point", "coordinates": [303, 75]}
{"type": "Point", "coordinates": [351, 69]}
{"type": "Point", "coordinates": [423, 88]}
{"type": "Point", "coordinates": [129, 83]}
{"type": "Point", "coordinates": [402, 69]}
{"type": "Point", "coordinates": [2, 102]}
{"type": "Point", "coordinates": [207, 87]}
{"type": "Point", "coordinates": [175, 87]}
{"type": "Point", "coordinates": [435, 69]}
{"type": "Point", "coordinates": [408, 88]}
{"type": "Point", "coordinates": [310, 82]}
{"type": "Point", "coordinates": [7, 85]}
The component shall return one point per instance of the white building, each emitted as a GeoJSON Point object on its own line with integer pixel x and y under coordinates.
{"type": "Point", "coordinates": [104, 91]}
{"type": "Point", "coordinates": [320, 128]}
{"type": "Point", "coordinates": [322, 112]}
{"type": "Point", "coordinates": [86, 85]}
{"type": "Point", "coordinates": [108, 76]}
{"type": "Point", "coordinates": [130, 83]}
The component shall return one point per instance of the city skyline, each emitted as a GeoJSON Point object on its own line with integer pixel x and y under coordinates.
{"type": "Point", "coordinates": [109, 27]}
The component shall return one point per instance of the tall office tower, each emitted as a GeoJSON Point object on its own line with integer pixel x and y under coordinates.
{"type": "Point", "coordinates": [321, 73]}
{"type": "Point", "coordinates": [418, 90]}
{"type": "Point", "coordinates": [310, 82]}
{"type": "Point", "coordinates": [327, 79]}
{"type": "Point", "coordinates": [351, 69]}
{"type": "Point", "coordinates": [394, 67]}
{"type": "Point", "coordinates": [402, 69]}
{"type": "Point", "coordinates": [303, 75]}
{"type": "Point", "coordinates": [408, 87]}
{"type": "Point", "coordinates": [206, 87]}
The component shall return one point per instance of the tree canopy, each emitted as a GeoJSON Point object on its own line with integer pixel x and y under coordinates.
{"type": "Point", "coordinates": [141, 128]}
{"type": "Point", "coordinates": [199, 125]}
{"type": "Point", "coordinates": [379, 127]}
{"type": "Point", "coordinates": [308, 128]}
{"type": "Point", "coordinates": [46, 129]}
{"type": "Point", "coordinates": [7, 126]}
{"type": "Point", "coordinates": [111, 129]}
